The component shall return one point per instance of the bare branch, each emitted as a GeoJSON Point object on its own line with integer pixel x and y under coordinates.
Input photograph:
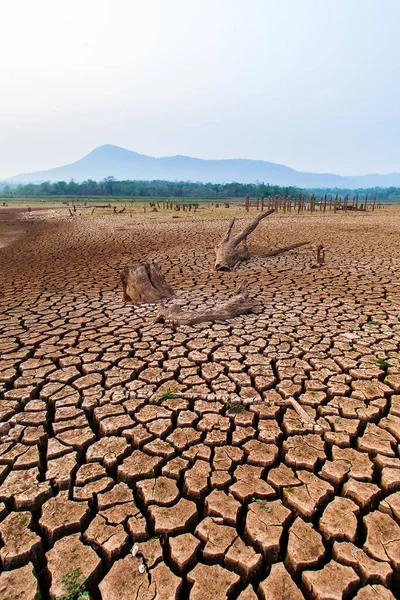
{"type": "Point", "coordinates": [250, 227]}
{"type": "Point", "coordinates": [228, 233]}
{"type": "Point", "coordinates": [284, 249]}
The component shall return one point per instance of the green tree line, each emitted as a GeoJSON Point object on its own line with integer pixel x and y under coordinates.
{"type": "Point", "coordinates": [110, 187]}
{"type": "Point", "coordinates": [151, 189]}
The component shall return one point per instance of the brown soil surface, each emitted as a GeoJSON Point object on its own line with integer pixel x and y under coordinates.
{"type": "Point", "coordinates": [194, 498]}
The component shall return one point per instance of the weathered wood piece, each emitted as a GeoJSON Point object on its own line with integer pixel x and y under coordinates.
{"type": "Point", "coordinates": [144, 283]}
{"type": "Point", "coordinates": [239, 304]}
{"type": "Point", "coordinates": [228, 253]}
{"type": "Point", "coordinates": [320, 255]}
{"type": "Point", "coordinates": [284, 249]}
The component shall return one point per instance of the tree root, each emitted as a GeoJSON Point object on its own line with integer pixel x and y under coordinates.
{"type": "Point", "coordinates": [239, 304]}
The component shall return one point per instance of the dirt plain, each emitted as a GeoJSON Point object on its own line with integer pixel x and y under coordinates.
{"type": "Point", "coordinates": [222, 502]}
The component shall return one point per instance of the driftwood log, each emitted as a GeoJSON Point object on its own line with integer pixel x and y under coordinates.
{"type": "Point", "coordinates": [231, 251]}
{"type": "Point", "coordinates": [239, 304]}
{"type": "Point", "coordinates": [144, 283]}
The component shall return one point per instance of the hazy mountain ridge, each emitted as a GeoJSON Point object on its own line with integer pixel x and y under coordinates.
{"type": "Point", "coordinates": [109, 160]}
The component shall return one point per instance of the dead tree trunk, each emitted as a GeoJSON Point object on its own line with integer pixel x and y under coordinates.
{"type": "Point", "coordinates": [239, 304]}
{"type": "Point", "coordinates": [144, 283]}
{"type": "Point", "coordinates": [228, 254]}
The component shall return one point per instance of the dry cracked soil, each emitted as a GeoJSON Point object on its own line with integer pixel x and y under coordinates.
{"type": "Point", "coordinates": [113, 488]}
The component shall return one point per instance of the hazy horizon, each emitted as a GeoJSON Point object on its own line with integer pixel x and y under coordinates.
{"type": "Point", "coordinates": [311, 85]}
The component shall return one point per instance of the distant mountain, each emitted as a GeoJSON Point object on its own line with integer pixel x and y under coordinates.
{"type": "Point", "coordinates": [113, 161]}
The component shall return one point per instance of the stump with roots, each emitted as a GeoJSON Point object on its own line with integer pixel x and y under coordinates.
{"type": "Point", "coordinates": [144, 283]}
{"type": "Point", "coordinates": [231, 251]}
{"type": "Point", "coordinates": [239, 304]}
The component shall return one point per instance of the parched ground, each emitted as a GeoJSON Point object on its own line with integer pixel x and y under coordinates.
{"type": "Point", "coordinates": [213, 501]}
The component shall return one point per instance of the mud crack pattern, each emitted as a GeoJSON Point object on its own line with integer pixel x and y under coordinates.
{"type": "Point", "coordinates": [253, 504]}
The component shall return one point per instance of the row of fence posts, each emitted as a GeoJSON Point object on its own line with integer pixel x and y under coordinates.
{"type": "Point", "coordinates": [300, 204]}
{"type": "Point", "coordinates": [180, 206]}
{"type": "Point", "coordinates": [284, 203]}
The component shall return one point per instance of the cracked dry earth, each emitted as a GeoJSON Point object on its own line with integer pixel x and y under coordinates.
{"type": "Point", "coordinates": [221, 504]}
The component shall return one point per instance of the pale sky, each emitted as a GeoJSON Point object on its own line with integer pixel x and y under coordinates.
{"type": "Point", "coordinates": [312, 84]}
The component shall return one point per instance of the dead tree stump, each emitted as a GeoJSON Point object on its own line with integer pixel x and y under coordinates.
{"type": "Point", "coordinates": [144, 283]}
{"type": "Point", "coordinates": [228, 253]}
{"type": "Point", "coordinates": [239, 304]}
